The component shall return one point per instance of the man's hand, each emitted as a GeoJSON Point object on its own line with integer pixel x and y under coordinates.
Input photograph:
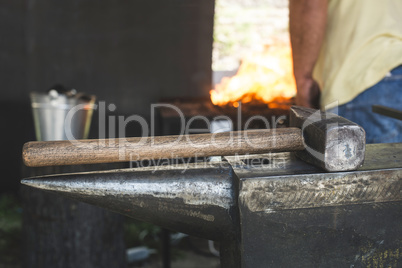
{"type": "Point", "coordinates": [308, 94]}
{"type": "Point", "coordinates": [307, 21]}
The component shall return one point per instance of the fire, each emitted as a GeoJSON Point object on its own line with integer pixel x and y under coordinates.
{"type": "Point", "coordinates": [266, 77]}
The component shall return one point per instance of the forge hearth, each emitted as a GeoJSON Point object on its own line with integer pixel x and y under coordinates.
{"type": "Point", "coordinates": [252, 115]}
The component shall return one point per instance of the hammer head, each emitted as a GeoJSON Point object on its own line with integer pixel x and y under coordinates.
{"type": "Point", "coordinates": [332, 142]}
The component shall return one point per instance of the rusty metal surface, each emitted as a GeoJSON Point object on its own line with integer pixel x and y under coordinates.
{"type": "Point", "coordinates": [321, 190]}
{"type": "Point", "coordinates": [284, 182]}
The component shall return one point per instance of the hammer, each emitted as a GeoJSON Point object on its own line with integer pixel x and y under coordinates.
{"type": "Point", "coordinates": [320, 138]}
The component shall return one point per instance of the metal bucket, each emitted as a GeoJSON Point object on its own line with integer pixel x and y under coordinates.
{"type": "Point", "coordinates": [62, 116]}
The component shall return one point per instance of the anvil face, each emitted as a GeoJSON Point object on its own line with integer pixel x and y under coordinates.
{"type": "Point", "coordinates": [266, 210]}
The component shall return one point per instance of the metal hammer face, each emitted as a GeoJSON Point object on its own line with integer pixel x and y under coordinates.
{"type": "Point", "coordinates": [332, 142]}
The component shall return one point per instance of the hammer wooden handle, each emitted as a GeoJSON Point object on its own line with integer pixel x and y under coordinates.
{"type": "Point", "coordinates": [53, 153]}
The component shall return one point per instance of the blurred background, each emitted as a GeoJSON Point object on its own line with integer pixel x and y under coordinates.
{"type": "Point", "coordinates": [127, 53]}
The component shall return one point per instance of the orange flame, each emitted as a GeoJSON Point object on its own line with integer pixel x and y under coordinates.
{"type": "Point", "coordinates": [266, 77]}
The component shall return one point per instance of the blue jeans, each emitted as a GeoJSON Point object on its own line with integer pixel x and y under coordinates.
{"type": "Point", "coordinates": [379, 128]}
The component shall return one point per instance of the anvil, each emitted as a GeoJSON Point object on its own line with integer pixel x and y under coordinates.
{"type": "Point", "coordinates": [267, 210]}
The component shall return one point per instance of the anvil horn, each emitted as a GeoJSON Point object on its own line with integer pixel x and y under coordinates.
{"type": "Point", "coordinates": [199, 201]}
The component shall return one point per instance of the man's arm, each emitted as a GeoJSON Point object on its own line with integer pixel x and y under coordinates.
{"type": "Point", "coordinates": [307, 21]}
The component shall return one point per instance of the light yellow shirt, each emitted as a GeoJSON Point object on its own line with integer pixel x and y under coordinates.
{"type": "Point", "coordinates": [363, 42]}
